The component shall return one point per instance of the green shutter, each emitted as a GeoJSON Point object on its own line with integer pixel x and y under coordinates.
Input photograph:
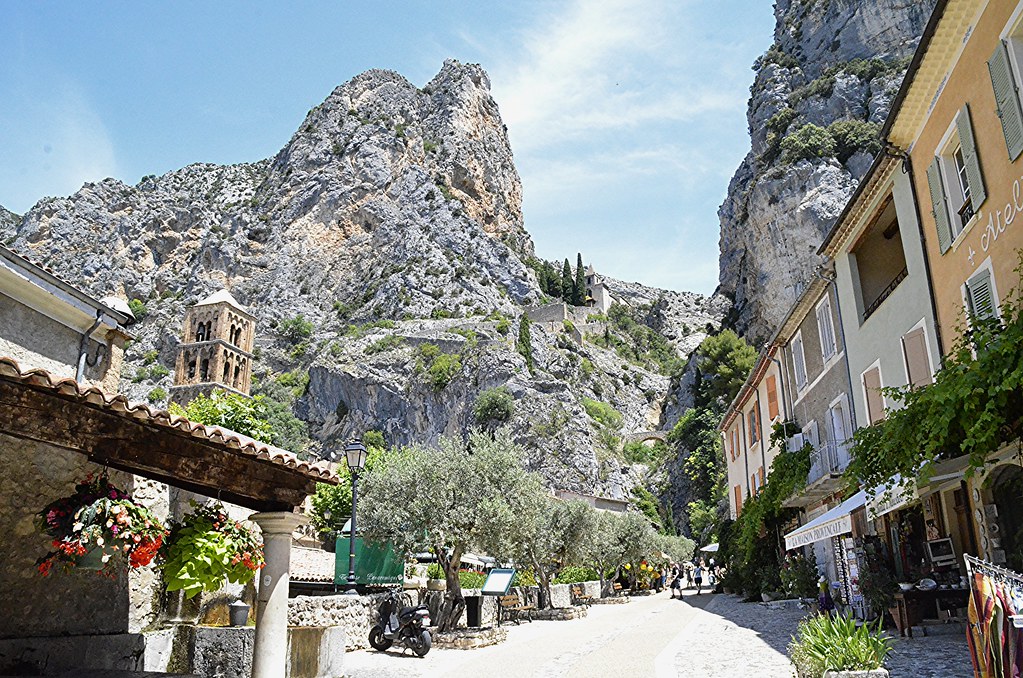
{"type": "Point", "coordinates": [939, 206]}
{"type": "Point", "coordinates": [980, 296]}
{"type": "Point", "coordinates": [969, 147]}
{"type": "Point", "coordinates": [1007, 100]}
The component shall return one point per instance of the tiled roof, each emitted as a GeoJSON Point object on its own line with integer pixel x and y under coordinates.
{"type": "Point", "coordinates": [119, 404]}
{"type": "Point", "coordinates": [311, 565]}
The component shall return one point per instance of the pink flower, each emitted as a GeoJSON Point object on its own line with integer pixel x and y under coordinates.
{"type": "Point", "coordinates": [113, 494]}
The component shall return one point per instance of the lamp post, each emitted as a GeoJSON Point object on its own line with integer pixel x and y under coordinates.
{"type": "Point", "coordinates": [355, 454]}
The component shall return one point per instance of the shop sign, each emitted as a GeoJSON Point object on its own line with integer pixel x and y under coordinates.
{"type": "Point", "coordinates": [997, 222]}
{"type": "Point", "coordinates": [832, 528]}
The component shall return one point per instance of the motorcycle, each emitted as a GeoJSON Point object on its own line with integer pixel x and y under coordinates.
{"type": "Point", "coordinates": [402, 623]}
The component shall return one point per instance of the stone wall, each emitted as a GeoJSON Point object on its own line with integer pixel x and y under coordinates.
{"type": "Point", "coordinates": [355, 614]}
{"type": "Point", "coordinates": [31, 476]}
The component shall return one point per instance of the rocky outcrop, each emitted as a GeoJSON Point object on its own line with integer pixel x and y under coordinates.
{"type": "Point", "coordinates": [820, 95]}
{"type": "Point", "coordinates": [391, 222]}
{"type": "Point", "coordinates": [8, 222]}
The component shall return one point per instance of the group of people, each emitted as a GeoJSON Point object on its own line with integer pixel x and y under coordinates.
{"type": "Point", "coordinates": [694, 573]}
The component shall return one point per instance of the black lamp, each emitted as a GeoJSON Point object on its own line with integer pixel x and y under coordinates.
{"type": "Point", "coordinates": [355, 454]}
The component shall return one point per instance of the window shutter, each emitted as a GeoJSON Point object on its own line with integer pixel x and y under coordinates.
{"type": "Point", "coordinates": [980, 296]}
{"type": "Point", "coordinates": [798, 362]}
{"type": "Point", "coordinates": [914, 346]}
{"type": "Point", "coordinates": [738, 499]}
{"type": "Point", "coordinates": [875, 401]}
{"type": "Point", "coordinates": [1007, 100]}
{"type": "Point", "coordinates": [826, 329]}
{"type": "Point", "coordinates": [939, 206]}
{"type": "Point", "coordinates": [772, 397]}
{"type": "Point", "coordinates": [811, 434]}
{"type": "Point", "coordinates": [969, 146]}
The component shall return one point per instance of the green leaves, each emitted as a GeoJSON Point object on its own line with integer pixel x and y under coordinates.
{"type": "Point", "coordinates": [232, 411]}
{"type": "Point", "coordinates": [827, 643]}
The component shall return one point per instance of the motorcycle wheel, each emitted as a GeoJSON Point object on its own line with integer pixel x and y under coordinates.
{"type": "Point", "coordinates": [424, 644]}
{"type": "Point", "coordinates": [377, 639]}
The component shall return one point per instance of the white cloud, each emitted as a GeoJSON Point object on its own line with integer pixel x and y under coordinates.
{"type": "Point", "coordinates": [57, 143]}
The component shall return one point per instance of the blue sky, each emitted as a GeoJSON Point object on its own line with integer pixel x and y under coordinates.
{"type": "Point", "coordinates": [627, 118]}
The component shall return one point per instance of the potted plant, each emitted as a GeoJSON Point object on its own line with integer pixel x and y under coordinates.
{"type": "Point", "coordinates": [435, 580]}
{"type": "Point", "coordinates": [833, 646]}
{"type": "Point", "coordinates": [207, 547]}
{"type": "Point", "coordinates": [97, 526]}
{"type": "Point", "coordinates": [799, 576]}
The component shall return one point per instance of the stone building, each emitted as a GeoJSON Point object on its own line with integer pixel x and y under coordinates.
{"type": "Point", "coordinates": [216, 351]}
{"type": "Point", "coordinates": [597, 294]}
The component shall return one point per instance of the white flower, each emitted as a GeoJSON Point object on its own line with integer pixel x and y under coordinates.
{"type": "Point", "coordinates": [77, 527]}
{"type": "Point", "coordinates": [99, 541]}
{"type": "Point", "coordinates": [110, 523]}
{"type": "Point", "coordinates": [106, 557]}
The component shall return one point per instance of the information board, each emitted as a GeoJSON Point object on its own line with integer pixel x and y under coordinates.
{"type": "Point", "coordinates": [498, 582]}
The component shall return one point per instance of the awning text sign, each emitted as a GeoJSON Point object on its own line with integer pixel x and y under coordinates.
{"type": "Point", "coordinates": [832, 528]}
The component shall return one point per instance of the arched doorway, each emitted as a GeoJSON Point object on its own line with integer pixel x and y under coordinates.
{"type": "Point", "coordinates": [1007, 492]}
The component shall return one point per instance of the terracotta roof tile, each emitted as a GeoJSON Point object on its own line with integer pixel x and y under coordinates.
{"type": "Point", "coordinates": [311, 565]}
{"type": "Point", "coordinates": [11, 371]}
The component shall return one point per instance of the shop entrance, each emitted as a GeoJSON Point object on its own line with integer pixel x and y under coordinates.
{"type": "Point", "coordinates": [1007, 491]}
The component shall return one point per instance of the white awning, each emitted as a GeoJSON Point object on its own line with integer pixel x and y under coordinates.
{"type": "Point", "coordinates": [891, 497]}
{"type": "Point", "coordinates": [831, 523]}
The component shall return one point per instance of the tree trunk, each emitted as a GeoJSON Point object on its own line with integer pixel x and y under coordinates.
{"type": "Point", "coordinates": [545, 589]}
{"type": "Point", "coordinates": [454, 603]}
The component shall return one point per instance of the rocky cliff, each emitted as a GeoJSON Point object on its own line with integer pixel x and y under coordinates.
{"type": "Point", "coordinates": [383, 253]}
{"type": "Point", "coordinates": [819, 98]}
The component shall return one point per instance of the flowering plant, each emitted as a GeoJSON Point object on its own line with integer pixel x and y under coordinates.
{"type": "Point", "coordinates": [99, 519]}
{"type": "Point", "coordinates": [206, 547]}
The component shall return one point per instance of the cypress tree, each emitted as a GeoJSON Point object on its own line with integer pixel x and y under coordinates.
{"type": "Point", "coordinates": [524, 345]}
{"type": "Point", "coordinates": [567, 283]}
{"type": "Point", "coordinates": [580, 282]}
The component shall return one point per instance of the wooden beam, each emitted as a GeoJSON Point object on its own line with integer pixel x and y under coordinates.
{"type": "Point", "coordinates": [148, 449]}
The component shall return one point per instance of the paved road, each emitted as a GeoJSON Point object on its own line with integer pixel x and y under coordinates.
{"type": "Point", "coordinates": [641, 639]}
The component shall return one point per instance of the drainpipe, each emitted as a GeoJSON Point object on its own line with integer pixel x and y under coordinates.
{"type": "Point", "coordinates": [745, 450]}
{"type": "Point", "coordinates": [907, 168]}
{"type": "Point", "coordinates": [832, 281]}
{"type": "Point", "coordinates": [83, 348]}
{"type": "Point", "coordinates": [784, 392]}
{"type": "Point", "coordinates": [763, 443]}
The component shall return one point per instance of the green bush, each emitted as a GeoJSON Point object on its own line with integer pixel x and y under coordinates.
{"type": "Point", "coordinates": [799, 575]}
{"type": "Point", "coordinates": [855, 135]}
{"type": "Point", "coordinates": [149, 357]}
{"type": "Point", "coordinates": [826, 643]}
{"type": "Point", "coordinates": [387, 343]}
{"type": "Point", "coordinates": [296, 329]}
{"type": "Point", "coordinates": [524, 578]}
{"type": "Point", "coordinates": [575, 575]}
{"type": "Point", "coordinates": [434, 571]}
{"type": "Point", "coordinates": [504, 326]}
{"type": "Point", "coordinates": [641, 453]}
{"type": "Point", "coordinates": [586, 368]}
{"type": "Point", "coordinates": [822, 87]}
{"type": "Point", "coordinates": [470, 579]}
{"type": "Point", "coordinates": [524, 344]}
{"type": "Point", "coordinates": [780, 121]}
{"type": "Point", "coordinates": [603, 413]}
{"type": "Point", "coordinates": [494, 405]}
{"type": "Point", "coordinates": [808, 143]}
{"type": "Point", "coordinates": [445, 367]}
{"type": "Point", "coordinates": [138, 309]}
{"type": "Point", "coordinates": [568, 325]}
{"type": "Point", "coordinates": [158, 372]}
{"type": "Point", "coordinates": [157, 395]}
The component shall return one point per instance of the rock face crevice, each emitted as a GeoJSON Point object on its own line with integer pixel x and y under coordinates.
{"type": "Point", "coordinates": [820, 95]}
{"type": "Point", "coordinates": [391, 223]}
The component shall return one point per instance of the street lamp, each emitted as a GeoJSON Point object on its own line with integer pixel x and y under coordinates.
{"type": "Point", "coordinates": [355, 454]}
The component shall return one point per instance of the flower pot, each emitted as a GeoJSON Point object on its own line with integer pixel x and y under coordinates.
{"type": "Point", "coordinates": [238, 613]}
{"type": "Point", "coordinates": [92, 561]}
{"type": "Point", "coordinates": [436, 585]}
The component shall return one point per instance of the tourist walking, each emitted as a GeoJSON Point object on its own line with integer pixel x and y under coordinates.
{"type": "Point", "coordinates": [676, 581]}
{"type": "Point", "coordinates": [698, 577]}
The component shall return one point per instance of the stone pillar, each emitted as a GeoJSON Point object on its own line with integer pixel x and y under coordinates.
{"type": "Point", "coordinates": [270, 656]}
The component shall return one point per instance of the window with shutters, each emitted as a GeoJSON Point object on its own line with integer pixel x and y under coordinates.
{"type": "Point", "coordinates": [754, 430]}
{"type": "Point", "coordinates": [981, 298]}
{"type": "Point", "coordinates": [772, 397]}
{"type": "Point", "coordinates": [918, 363]}
{"type": "Point", "coordinates": [798, 361]}
{"type": "Point", "coordinates": [879, 260]}
{"type": "Point", "coordinates": [955, 181]}
{"type": "Point", "coordinates": [871, 380]}
{"type": "Point", "coordinates": [1004, 69]}
{"type": "Point", "coordinates": [737, 493]}
{"type": "Point", "coordinates": [826, 329]}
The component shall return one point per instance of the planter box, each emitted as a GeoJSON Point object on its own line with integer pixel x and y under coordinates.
{"type": "Point", "coordinates": [876, 673]}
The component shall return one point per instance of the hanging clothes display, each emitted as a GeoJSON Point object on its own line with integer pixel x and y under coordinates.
{"type": "Point", "coordinates": [996, 596]}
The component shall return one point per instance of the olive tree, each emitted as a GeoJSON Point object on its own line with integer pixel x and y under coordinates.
{"type": "Point", "coordinates": [619, 538]}
{"type": "Point", "coordinates": [555, 534]}
{"type": "Point", "coordinates": [460, 496]}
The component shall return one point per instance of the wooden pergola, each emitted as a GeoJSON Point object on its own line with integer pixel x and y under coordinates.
{"type": "Point", "coordinates": [208, 460]}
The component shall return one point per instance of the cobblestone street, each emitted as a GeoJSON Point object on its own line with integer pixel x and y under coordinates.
{"type": "Point", "coordinates": [701, 637]}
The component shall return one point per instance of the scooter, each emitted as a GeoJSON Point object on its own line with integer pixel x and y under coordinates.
{"type": "Point", "coordinates": [405, 624]}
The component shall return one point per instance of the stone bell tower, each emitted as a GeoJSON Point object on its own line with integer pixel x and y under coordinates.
{"type": "Point", "coordinates": [216, 349]}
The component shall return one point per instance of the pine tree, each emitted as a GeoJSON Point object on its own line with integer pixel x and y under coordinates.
{"type": "Point", "coordinates": [567, 283]}
{"type": "Point", "coordinates": [579, 299]}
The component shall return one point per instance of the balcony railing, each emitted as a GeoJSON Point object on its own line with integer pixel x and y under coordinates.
{"type": "Point", "coordinates": [829, 457]}
{"type": "Point", "coordinates": [885, 293]}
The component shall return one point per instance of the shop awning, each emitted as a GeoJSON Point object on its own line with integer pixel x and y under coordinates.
{"type": "Point", "coordinates": [891, 497]}
{"type": "Point", "coordinates": [831, 523]}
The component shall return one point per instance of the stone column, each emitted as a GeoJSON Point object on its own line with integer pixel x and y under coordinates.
{"type": "Point", "coordinates": [270, 656]}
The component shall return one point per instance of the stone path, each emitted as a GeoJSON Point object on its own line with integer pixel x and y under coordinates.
{"type": "Point", "coordinates": [703, 636]}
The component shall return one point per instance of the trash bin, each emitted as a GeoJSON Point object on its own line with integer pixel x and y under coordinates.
{"type": "Point", "coordinates": [473, 611]}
